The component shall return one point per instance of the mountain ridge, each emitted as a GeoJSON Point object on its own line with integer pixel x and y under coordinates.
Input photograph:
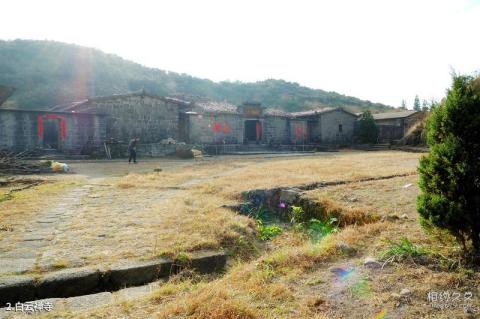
{"type": "Point", "coordinates": [47, 73]}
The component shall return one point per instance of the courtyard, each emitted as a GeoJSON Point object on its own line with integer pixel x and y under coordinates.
{"type": "Point", "coordinates": [106, 213]}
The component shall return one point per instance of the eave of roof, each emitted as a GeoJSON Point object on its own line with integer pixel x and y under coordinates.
{"type": "Point", "coordinates": [320, 111]}
{"type": "Point", "coordinates": [215, 107]}
{"type": "Point", "coordinates": [276, 112]}
{"type": "Point", "coordinates": [75, 104]}
{"type": "Point", "coordinates": [5, 93]}
{"type": "Point", "coordinates": [393, 115]}
{"type": "Point", "coordinates": [52, 112]}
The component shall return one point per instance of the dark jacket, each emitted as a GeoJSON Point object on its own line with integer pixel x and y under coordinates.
{"type": "Point", "coordinates": [132, 146]}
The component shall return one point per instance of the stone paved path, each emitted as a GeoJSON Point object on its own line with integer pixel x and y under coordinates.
{"type": "Point", "coordinates": [24, 252]}
{"type": "Point", "coordinates": [89, 225]}
{"type": "Point", "coordinates": [100, 223]}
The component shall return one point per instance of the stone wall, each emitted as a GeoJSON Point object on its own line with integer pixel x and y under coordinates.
{"type": "Point", "coordinates": [298, 131]}
{"type": "Point", "coordinates": [215, 128]}
{"type": "Point", "coordinates": [396, 128]}
{"type": "Point", "coordinates": [276, 130]}
{"type": "Point", "coordinates": [22, 130]}
{"type": "Point", "coordinates": [149, 118]}
{"type": "Point", "coordinates": [330, 127]}
{"type": "Point", "coordinates": [120, 150]}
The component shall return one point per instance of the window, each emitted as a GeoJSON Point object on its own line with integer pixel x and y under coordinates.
{"type": "Point", "coordinates": [340, 128]}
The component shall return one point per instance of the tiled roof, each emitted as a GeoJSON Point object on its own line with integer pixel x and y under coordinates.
{"type": "Point", "coordinates": [320, 111]}
{"type": "Point", "coordinates": [68, 106]}
{"type": "Point", "coordinates": [5, 93]}
{"type": "Point", "coordinates": [276, 112]}
{"type": "Point", "coordinates": [393, 115]}
{"type": "Point", "coordinates": [73, 105]}
{"type": "Point", "coordinates": [205, 105]}
{"type": "Point", "coordinates": [312, 112]}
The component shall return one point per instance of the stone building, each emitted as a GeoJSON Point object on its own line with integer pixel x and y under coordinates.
{"type": "Point", "coordinates": [67, 132]}
{"type": "Point", "coordinates": [222, 123]}
{"type": "Point", "coordinates": [329, 125]}
{"type": "Point", "coordinates": [150, 117]}
{"type": "Point", "coordinates": [84, 126]}
{"type": "Point", "coordinates": [393, 126]}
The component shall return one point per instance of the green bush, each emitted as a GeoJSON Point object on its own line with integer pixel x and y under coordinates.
{"type": "Point", "coordinates": [317, 229]}
{"type": "Point", "coordinates": [297, 215]}
{"type": "Point", "coordinates": [267, 232]}
{"type": "Point", "coordinates": [450, 174]}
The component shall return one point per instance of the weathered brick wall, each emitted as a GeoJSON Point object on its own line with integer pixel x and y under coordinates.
{"type": "Point", "coordinates": [149, 118]}
{"type": "Point", "coordinates": [276, 130]}
{"type": "Point", "coordinates": [298, 131]}
{"type": "Point", "coordinates": [85, 133]}
{"type": "Point", "coordinates": [395, 129]}
{"type": "Point", "coordinates": [215, 128]}
{"type": "Point", "coordinates": [120, 150]}
{"type": "Point", "coordinates": [329, 126]}
{"type": "Point", "coordinates": [19, 130]}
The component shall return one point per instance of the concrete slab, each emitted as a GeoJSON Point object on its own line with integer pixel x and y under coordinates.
{"type": "Point", "coordinates": [17, 265]}
{"type": "Point", "coordinates": [88, 301]}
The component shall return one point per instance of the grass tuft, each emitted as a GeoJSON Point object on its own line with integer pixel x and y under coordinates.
{"type": "Point", "coordinates": [404, 249]}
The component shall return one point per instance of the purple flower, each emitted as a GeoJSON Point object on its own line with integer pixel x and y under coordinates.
{"type": "Point", "coordinates": [282, 205]}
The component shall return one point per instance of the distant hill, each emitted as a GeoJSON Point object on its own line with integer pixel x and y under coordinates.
{"type": "Point", "coordinates": [46, 73]}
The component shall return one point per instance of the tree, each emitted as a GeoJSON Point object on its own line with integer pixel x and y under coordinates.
{"type": "Point", "coordinates": [416, 104]}
{"type": "Point", "coordinates": [425, 106]}
{"type": "Point", "coordinates": [403, 106]}
{"type": "Point", "coordinates": [450, 174]}
{"type": "Point", "coordinates": [368, 130]}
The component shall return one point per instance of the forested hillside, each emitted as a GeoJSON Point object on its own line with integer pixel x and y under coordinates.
{"type": "Point", "coordinates": [46, 73]}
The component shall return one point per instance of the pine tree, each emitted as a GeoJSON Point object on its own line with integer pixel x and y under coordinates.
{"type": "Point", "coordinates": [425, 106]}
{"type": "Point", "coordinates": [416, 103]}
{"type": "Point", "coordinates": [450, 174]}
{"type": "Point", "coordinates": [403, 106]}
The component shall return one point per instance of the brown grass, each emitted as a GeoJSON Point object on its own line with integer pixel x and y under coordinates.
{"type": "Point", "coordinates": [293, 278]}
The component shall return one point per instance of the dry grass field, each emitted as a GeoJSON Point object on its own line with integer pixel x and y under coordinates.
{"type": "Point", "coordinates": [145, 214]}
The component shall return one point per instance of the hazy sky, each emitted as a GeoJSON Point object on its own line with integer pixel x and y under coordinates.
{"type": "Point", "coordinates": [384, 51]}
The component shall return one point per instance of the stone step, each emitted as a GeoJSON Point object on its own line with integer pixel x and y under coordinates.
{"type": "Point", "coordinates": [81, 281]}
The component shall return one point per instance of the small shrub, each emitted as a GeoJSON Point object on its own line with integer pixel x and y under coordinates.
{"type": "Point", "coordinates": [267, 232]}
{"type": "Point", "coordinates": [297, 214]}
{"type": "Point", "coordinates": [183, 259]}
{"type": "Point", "coordinates": [317, 229]}
{"type": "Point", "coordinates": [404, 249]}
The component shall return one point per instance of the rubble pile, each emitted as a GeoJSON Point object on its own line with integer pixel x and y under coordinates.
{"type": "Point", "coordinates": [19, 163]}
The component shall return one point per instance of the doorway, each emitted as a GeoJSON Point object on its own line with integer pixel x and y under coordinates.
{"type": "Point", "coordinates": [183, 125]}
{"type": "Point", "coordinates": [253, 131]}
{"type": "Point", "coordinates": [51, 135]}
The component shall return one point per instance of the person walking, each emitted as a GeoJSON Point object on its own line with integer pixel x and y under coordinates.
{"type": "Point", "coordinates": [132, 150]}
